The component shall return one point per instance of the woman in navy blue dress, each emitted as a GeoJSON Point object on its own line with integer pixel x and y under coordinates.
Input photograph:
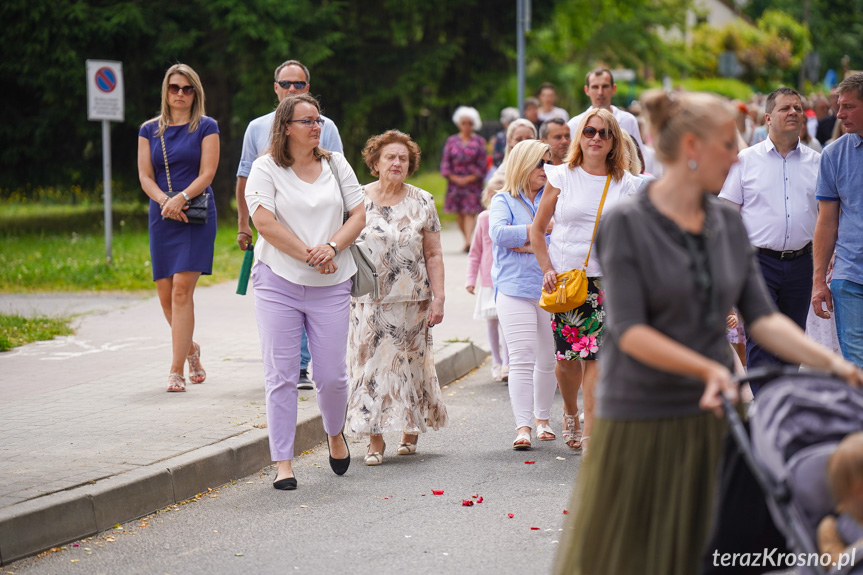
{"type": "Point", "coordinates": [186, 142]}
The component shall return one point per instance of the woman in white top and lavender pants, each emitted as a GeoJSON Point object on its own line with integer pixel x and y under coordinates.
{"type": "Point", "coordinates": [573, 196]}
{"type": "Point", "coordinates": [303, 275]}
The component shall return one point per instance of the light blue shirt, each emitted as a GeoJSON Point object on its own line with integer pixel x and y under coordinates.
{"type": "Point", "coordinates": [257, 139]}
{"type": "Point", "coordinates": [841, 180]}
{"type": "Point", "coordinates": [515, 274]}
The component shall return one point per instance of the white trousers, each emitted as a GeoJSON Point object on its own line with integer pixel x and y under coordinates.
{"type": "Point", "coordinates": [527, 330]}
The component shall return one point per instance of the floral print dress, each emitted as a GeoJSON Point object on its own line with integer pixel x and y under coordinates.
{"type": "Point", "coordinates": [464, 159]}
{"type": "Point", "coordinates": [394, 384]}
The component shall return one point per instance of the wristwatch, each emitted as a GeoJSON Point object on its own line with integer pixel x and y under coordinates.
{"type": "Point", "coordinates": [335, 248]}
{"type": "Point", "coordinates": [185, 195]}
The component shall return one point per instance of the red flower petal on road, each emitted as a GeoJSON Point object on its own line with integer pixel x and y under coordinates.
{"type": "Point", "coordinates": [479, 500]}
{"type": "Point", "coordinates": [530, 462]}
{"type": "Point", "coordinates": [466, 503]}
{"type": "Point", "coordinates": [565, 512]}
{"type": "Point", "coordinates": [510, 515]}
{"type": "Point", "coordinates": [475, 496]}
{"type": "Point", "coordinates": [437, 491]}
{"type": "Point", "coordinates": [534, 528]}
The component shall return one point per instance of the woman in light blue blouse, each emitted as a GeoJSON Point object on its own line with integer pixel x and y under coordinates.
{"type": "Point", "coordinates": [517, 279]}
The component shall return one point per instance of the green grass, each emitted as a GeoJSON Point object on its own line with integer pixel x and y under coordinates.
{"type": "Point", "coordinates": [16, 330]}
{"type": "Point", "coordinates": [69, 261]}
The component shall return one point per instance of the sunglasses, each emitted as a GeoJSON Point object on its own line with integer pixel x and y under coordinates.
{"type": "Point", "coordinates": [589, 132]}
{"type": "Point", "coordinates": [542, 163]}
{"type": "Point", "coordinates": [285, 84]}
{"type": "Point", "coordinates": [175, 89]}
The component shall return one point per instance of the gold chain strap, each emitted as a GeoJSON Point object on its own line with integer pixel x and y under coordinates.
{"type": "Point", "coordinates": [167, 171]}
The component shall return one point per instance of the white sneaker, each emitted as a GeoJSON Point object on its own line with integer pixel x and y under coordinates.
{"type": "Point", "coordinates": [495, 372]}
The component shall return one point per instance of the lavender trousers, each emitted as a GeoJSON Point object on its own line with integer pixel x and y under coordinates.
{"type": "Point", "coordinates": [282, 309]}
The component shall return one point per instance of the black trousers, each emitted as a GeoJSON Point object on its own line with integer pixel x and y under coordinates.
{"type": "Point", "coordinates": [790, 285]}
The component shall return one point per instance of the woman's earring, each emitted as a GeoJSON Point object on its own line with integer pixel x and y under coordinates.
{"type": "Point", "coordinates": [693, 165]}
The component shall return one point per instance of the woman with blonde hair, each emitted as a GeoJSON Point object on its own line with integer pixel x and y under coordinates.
{"type": "Point", "coordinates": [517, 280]}
{"type": "Point", "coordinates": [178, 153]}
{"type": "Point", "coordinates": [594, 179]}
{"type": "Point", "coordinates": [676, 260]}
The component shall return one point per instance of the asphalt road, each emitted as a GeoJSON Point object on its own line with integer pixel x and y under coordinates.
{"type": "Point", "coordinates": [375, 520]}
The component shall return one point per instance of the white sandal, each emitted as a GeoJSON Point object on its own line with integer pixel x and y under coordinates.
{"type": "Point", "coordinates": [571, 434]}
{"type": "Point", "coordinates": [522, 441]}
{"type": "Point", "coordinates": [543, 429]}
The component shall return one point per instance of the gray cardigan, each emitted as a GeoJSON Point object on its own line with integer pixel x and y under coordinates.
{"type": "Point", "coordinates": [650, 280]}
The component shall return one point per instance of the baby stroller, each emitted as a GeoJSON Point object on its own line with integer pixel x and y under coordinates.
{"type": "Point", "coordinates": [796, 423]}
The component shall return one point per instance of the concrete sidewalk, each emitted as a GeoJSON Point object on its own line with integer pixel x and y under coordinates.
{"type": "Point", "coordinates": [91, 438]}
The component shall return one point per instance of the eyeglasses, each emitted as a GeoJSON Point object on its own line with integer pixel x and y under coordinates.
{"type": "Point", "coordinates": [285, 84]}
{"type": "Point", "coordinates": [589, 132]}
{"type": "Point", "coordinates": [308, 123]}
{"type": "Point", "coordinates": [542, 163]}
{"type": "Point", "coordinates": [175, 89]}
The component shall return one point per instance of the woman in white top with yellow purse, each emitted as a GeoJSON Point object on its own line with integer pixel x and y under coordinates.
{"type": "Point", "coordinates": [302, 276]}
{"type": "Point", "coordinates": [596, 162]}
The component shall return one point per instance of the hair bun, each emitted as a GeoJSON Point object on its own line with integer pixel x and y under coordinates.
{"type": "Point", "coordinates": [658, 104]}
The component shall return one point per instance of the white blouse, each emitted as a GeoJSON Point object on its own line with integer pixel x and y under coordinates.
{"type": "Point", "coordinates": [312, 212]}
{"type": "Point", "coordinates": [575, 214]}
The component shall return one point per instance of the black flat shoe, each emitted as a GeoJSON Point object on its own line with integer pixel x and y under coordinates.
{"type": "Point", "coordinates": [286, 484]}
{"type": "Point", "coordinates": [339, 466]}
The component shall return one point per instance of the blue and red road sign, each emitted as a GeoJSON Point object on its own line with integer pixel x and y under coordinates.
{"type": "Point", "coordinates": [106, 80]}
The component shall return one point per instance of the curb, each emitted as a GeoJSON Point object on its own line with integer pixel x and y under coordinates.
{"type": "Point", "coordinates": [44, 522]}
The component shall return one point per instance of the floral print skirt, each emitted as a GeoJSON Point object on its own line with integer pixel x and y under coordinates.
{"type": "Point", "coordinates": [578, 332]}
{"type": "Point", "coordinates": [391, 370]}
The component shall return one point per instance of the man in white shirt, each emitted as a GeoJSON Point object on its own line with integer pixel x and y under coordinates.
{"type": "Point", "coordinates": [773, 186]}
{"type": "Point", "coordinates": [547, 96]}
{"type": "Point", "coordinates": [555, 133]}
{"type": "Point", "coordinates": [291, 77]}
{"type": "Point", "coordinates": [600, 87]}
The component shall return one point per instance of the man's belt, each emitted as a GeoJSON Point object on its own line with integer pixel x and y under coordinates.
{"type": "Point", "coordinates": [787, 254]}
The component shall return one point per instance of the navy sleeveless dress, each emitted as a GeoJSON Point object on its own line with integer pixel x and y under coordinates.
{"type": "Point", "coordinates": [177, 246]}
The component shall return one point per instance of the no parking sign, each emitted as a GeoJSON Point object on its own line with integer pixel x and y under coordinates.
{"type": "Point", "coordinates": [105, 96]}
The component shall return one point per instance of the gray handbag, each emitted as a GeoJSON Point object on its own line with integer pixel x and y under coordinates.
{"type": "Point", "coordinates": [365, 280]}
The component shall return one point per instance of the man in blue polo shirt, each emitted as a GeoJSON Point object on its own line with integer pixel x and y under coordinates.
{"type": "Point", "coordinates": [291, 77]}
{"type": "Point", "coordinates": [840, 224]}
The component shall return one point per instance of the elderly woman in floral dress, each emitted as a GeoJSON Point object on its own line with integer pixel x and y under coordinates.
{"type": "Point", "coordinates": [464, 165]}
{"type": "Point", "coordinates": [394, 385]}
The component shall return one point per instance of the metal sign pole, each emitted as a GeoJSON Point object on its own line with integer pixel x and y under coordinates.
{"type": "Point", "coordinates": [106, 184]}
{"type": "Point", "coordinates": [520, 13]}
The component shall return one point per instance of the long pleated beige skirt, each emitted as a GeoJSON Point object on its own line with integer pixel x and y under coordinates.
{"type": "Point", "coordinates": [643, 500]}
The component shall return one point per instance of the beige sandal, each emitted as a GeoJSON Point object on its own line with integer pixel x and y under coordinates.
{"type": "Point", "coordinates": [572, 432]}
{"type": "Point", "coordinates": [196, 370]}
{"type": "Point", "coordinates": [176, 382]}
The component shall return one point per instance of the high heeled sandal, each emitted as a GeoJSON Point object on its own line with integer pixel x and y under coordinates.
{"type": "Point", "coordinates": [176, 382]}
{"type": "Point", "coordinates": [196, 370]}
{"type": "Point", "coordinates": [377, 457]}
{"type": "Point", "coordinates": [571, 433]}
{"type": "Point", "coordinates": [584, 447]}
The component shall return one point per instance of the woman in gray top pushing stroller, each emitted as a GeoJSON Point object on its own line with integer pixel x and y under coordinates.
{"type": "Point", "coordinates": [675, 261]}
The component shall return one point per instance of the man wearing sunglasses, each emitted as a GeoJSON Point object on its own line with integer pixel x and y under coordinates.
{"type": "Point", "coordinates": [291, 77]}
{"type": "Point", "coordinates": [600, 87]}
